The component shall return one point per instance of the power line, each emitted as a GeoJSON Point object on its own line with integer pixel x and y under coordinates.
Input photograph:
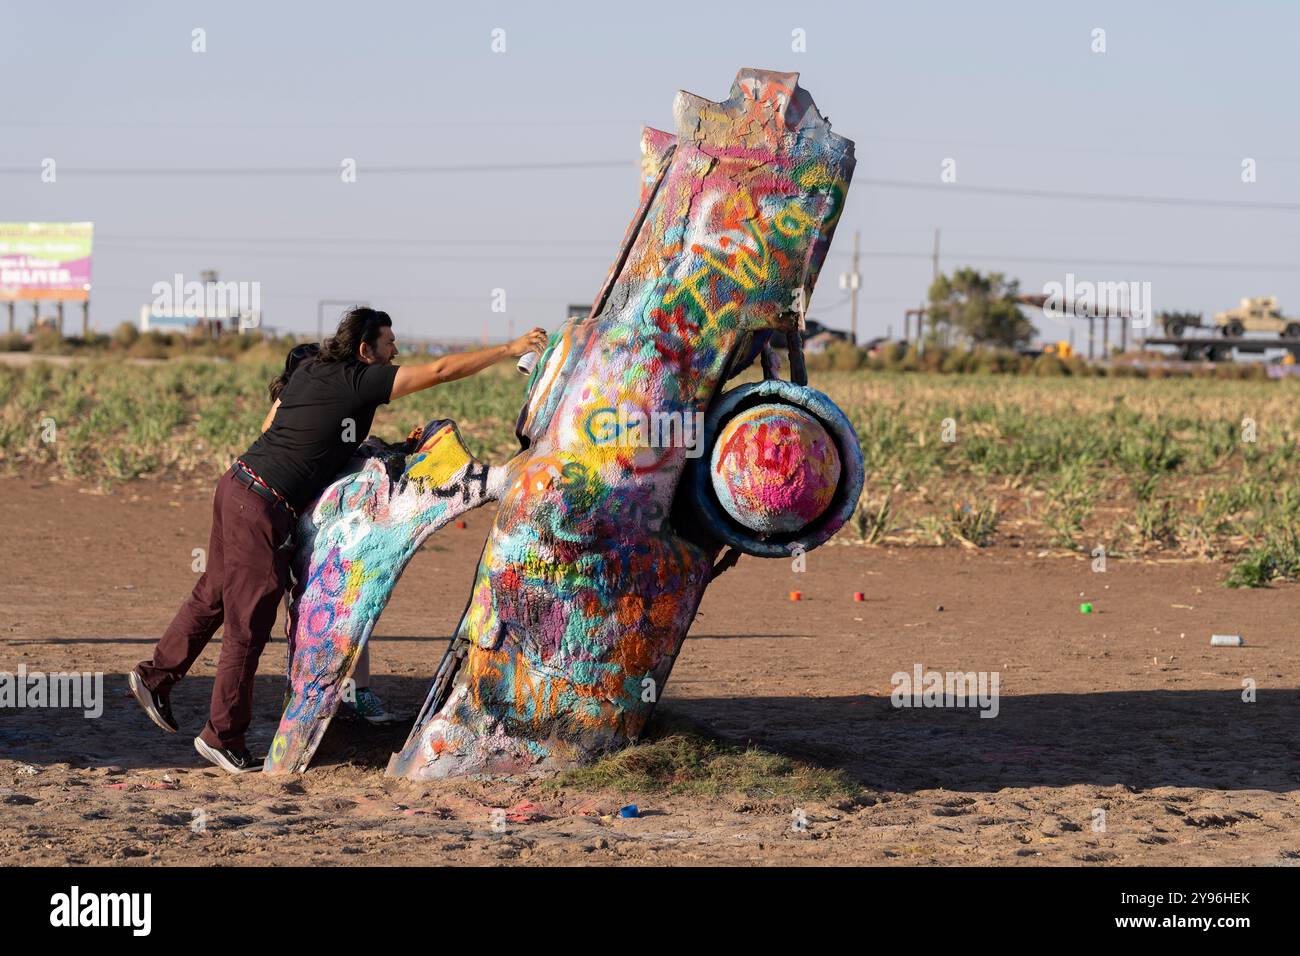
{"type": "Point", "coordinates": [543, 240]}
{"type": "Point", "coordinates": [245, 241]}
{"type": "Point", "coordinates": [176, 172]}
{"type": "Point", "coordinates": [1048, 147]}
{"type": "Point", "coordinates": [868, 254]}
{"type": "Point", "coordinates": [383, 256]}
{"type": "Point", "coordinates": [421, 170]}
{"type": "Point", "coordinates": [354, 240]}
{"type": "Point", "coordinates": [316, 296]}
{"type": "Point", "coordinates": [441, 124]}
{"type": "Point", "coordinates": [1081, 196]}
{"type": "Point", "coordinates": [1082, 260]}
{"type": "Point", "coordinates": [836, 306]}
{"type": "Point", "coordinates": [1041, 146]}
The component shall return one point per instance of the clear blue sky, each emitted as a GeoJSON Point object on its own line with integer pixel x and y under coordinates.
{"type": "Point", "coordinates": [1011, 91]}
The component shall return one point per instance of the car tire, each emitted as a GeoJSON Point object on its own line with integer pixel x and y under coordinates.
{"type": "Point", "coordinates": [701, 496]}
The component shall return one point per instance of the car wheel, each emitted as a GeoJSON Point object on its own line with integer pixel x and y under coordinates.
{"type": "Point", "coordinates": [780, 470]}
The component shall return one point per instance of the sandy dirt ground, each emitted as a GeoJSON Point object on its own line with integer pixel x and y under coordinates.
{"type": "Point", "coordinates": [1127, 711]}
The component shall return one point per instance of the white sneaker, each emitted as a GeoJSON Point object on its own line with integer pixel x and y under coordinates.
{"type": "Point", "coordinates": [231, 761]}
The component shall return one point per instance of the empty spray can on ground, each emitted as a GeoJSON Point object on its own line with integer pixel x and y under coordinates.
{"type": "Point", "coordinates": [1226, 640]}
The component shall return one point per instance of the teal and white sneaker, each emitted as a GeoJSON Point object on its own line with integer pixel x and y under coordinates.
{"type": "Point", "coordinates": [369, 708]}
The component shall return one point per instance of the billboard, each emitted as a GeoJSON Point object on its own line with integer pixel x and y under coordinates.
{"type": "Point", "coordinates": [45, 260]}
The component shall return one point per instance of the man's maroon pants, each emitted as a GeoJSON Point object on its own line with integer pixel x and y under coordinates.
{"type": "Point", "coordinates": [246, 575]}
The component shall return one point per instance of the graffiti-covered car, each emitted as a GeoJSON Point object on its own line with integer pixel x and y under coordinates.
{"type": "Point", "coordinates": [639, 478]}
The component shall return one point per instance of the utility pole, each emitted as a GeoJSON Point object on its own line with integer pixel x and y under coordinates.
{"type": "Point", "coordinates": [934, 277]}
{"type": "Point", "coordinates": [853, 304]}
{"type": "Point", "coordinates": [852, 281]}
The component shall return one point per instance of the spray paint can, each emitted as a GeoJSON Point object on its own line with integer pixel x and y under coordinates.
{"type": "Point", "coordinates": [1226, 640]}
{"type": "Point", "coordinates": [527, 362]}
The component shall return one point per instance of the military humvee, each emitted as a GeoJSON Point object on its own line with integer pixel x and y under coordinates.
{"type": "Point", "coordinates": [1259, 314]}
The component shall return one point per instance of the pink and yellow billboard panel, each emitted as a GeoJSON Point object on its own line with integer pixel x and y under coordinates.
{"type": "Point", "coordinates": [45, 260]}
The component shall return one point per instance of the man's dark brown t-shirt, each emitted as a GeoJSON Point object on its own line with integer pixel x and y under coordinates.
{"type": "Point", "coordinates": [325, 412]}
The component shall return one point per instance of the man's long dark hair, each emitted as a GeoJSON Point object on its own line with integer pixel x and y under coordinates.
{"type": "Point", "coordinates": [358, 325]}
{"type": "Point", "coordinates": [297, 355]}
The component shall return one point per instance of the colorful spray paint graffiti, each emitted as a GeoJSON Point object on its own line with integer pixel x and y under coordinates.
{"type": "Point", "coordinates": [352, 546]}
{"type": "Point", "coordinates": [775, 469]}
{"type": "Point", "coordinates": [606, 533]}
{"type": "Point", "coordinates": [595, 566]}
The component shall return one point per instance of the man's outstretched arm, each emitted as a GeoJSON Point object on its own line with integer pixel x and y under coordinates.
{"type": "Point", "coordinates": [415, 378]}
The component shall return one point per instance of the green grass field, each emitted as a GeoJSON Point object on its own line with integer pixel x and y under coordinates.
{"type": "Point", "coordinates": [1198, 467]}
{"type": "Point", "coordinates": [1177, 467]}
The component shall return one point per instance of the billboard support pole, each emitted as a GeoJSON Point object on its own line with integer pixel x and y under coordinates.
{"type": "Point", "coordinates": [85, 318]}
{"type": "Point", "coordinates": [36, 315]}
{"type": "Point", "coordinates": [60, 316]}
{"type": "Point", "coordinates": [11, 316]}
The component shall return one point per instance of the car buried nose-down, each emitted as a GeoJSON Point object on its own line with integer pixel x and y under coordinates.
{"type": "Point", "coordinates": [606, 533]}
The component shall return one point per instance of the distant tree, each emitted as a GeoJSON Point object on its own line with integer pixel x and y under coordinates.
{"type": "Point", "coordinates": [980, 308]}
{"type": "Point", "coordinates": [125, 334]}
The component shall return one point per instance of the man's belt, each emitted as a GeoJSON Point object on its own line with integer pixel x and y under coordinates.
{"type": "Point", "coordinates": [251, 480]}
